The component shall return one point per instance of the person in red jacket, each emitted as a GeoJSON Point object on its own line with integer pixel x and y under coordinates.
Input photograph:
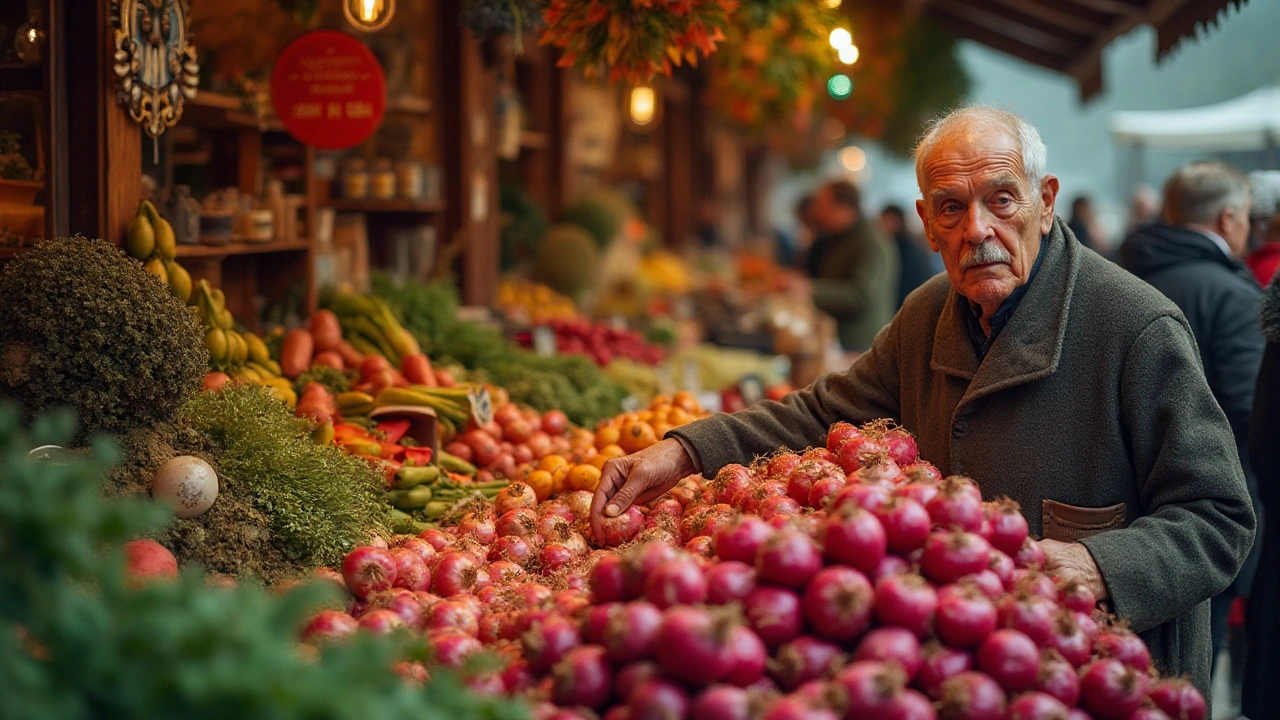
{"type": "Point", "coordinates": [1265, 259]}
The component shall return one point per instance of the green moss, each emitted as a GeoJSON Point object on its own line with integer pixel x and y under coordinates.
{"type": "Point", "coordinates": [85, 326]}
{"type": "Point", "coordinates": [320, 501]}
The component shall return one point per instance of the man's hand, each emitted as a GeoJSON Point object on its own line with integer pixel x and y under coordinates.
{"type": "Point", "coordinates": [1071, 562]}
{"type": "Point", "coordinates": [638, 478]}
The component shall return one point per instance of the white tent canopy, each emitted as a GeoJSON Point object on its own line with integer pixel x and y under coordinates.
{"type": "Point", "coordinates": [1249, 122]}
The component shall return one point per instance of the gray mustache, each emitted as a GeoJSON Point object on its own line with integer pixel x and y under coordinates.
{"type": "Point", "coordinates": [984, 254]}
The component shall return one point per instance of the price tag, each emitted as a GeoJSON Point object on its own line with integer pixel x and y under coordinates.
{"type": "Point", "coordinates": [752, 389]}
{"type": "Point", "coordinates": [481, 405]}
{"type": "Point", "coordinates": [544, 341]}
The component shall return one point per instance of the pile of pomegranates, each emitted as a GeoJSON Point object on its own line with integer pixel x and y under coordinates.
{"type": "Point", "coordinates": [848, 581]}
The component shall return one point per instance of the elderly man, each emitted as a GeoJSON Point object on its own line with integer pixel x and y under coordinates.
{"type": "Point", "coordinates": [1043, 371]}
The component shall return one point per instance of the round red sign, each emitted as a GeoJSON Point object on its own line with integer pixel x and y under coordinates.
{"type": "Point", "coordinates": [328, 89]}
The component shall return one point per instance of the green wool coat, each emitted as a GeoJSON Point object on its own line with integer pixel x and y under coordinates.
{"type": "Point", "coordinates": [857, 284]}
{"type": "Point", "coordinates": [1093, 396]}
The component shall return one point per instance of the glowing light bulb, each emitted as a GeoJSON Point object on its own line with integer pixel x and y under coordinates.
{"type": "Point", "coordinates": [852, 158]}
{"type": "Point", "coordinates": [368, 15]}
{"type": "Point", "coordinates": [840, 37]}
{"type": "Point", "coordinates": [644, 105]}
{"type": "Point", "coordinates": [831, 4]}
{"type": "Point", "coordinates": [849, 54]}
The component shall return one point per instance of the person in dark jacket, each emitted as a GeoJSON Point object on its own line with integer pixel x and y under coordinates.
{"type": "Point", "coordinates": [856, 278]}
{"type": "Point", "coordinates": [1262, 664]}
{"type": "Point", "coordinates": [914, 269]}
{"type": "Point", "coordinates": [1043, 371]}
{"type": "Point", "coordinates": [1193, 258]}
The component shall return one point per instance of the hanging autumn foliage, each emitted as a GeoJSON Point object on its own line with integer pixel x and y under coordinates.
{"type": "Point", "coordinates": [773, 63]}
{"type": "Point", "coordinates": [907, 74]}
{"type": "Point", "coordinates": [633, 40]}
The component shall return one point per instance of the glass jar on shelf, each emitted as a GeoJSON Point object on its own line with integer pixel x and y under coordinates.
{"type": "Point", "coordinates": [355, 180]}
{"type": "Point", "coordinates": [382, 181]}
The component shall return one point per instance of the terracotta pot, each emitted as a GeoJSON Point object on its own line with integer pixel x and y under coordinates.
{"type": "Point", "coordinates": [19, 192]}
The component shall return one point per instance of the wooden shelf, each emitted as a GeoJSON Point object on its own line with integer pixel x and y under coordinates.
{"type": "Point", "coordinates": [21, 78]}
{"type": "Point", "coordinates": [8, 251]}
{"type": "Point", "coordinates": [242, 248]}
{"type": "Point", "coordinates": [531, 140]}
{"type": "Point", "coordinates": [215, 110]}
{"type": "Point", "coordinates": [409, 105]}
{"type": "Point", "coordinates": [386, 206]}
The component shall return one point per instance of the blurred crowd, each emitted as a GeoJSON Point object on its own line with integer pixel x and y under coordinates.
{"type": "Point", "coordinates": [1210, 242]}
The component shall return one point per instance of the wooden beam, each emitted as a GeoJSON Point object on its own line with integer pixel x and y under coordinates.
{"type": "Point", "coordinates": [1081, 22]}
{"type": "Point", "coordinates": [992, 38]}
{"type": "Point", "coordinates": [1114, 7]}
{"type": "Point", "coordinates": [1031, 34]}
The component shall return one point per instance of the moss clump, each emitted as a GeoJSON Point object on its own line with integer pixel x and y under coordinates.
{"type": "Point", "coordinates": [85, 326]}
{"type": "Point", "coordinates": [602, 212]}
{"type": "Point", "coordinates": [566, 260]}
{"type": "Point", "coordinates": [320, 502]}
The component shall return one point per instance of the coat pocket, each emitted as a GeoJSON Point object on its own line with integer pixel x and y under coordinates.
{"type": "Point", "coordinates": [1069, 523]}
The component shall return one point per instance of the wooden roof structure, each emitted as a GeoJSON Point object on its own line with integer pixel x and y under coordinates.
{"type": "Point", "coordinates": [1068, 36]}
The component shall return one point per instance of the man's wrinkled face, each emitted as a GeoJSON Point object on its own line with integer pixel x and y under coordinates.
{"type": "Point", "coordinates": [981, 213]}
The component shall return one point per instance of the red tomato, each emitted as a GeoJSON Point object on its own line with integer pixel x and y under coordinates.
{"type": "Point", "coordinates": [373, 365]}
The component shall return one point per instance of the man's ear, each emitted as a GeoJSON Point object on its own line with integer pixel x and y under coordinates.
{"type": "Point", "coordinates": [927, 235]}
{"type": "Point", "coordinates": [1048, 198]}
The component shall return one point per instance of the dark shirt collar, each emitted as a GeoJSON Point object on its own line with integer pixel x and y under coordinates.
{"type": "Point", "coordinates": [972, 311]}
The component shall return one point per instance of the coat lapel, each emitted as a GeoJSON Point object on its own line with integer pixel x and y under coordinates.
{"type": "Point", "coordinates": [1030, 346]}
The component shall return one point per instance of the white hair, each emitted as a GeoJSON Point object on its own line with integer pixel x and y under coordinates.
{"type": "Point", "coordinates": [1034, 154]}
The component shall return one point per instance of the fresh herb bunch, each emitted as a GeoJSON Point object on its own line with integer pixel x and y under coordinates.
{"type": "Point", "coordinates": [334, 380]}
{"type": "Point", "coordinates": [77, 641]}
{"type": "Point", "coordinates": [86, 326]}
{"type": "Point", "coordinates": [322, 502]}
{"type": "Point", "coordinates": [632, 42]}
{"type": "Point", "coordinates": [491, 18]}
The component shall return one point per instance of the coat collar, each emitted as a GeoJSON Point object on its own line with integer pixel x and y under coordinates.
{"type": "Point", "coordinates": [1030, 346]}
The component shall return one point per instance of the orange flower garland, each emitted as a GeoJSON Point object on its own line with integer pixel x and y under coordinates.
{"type": "Point", "coordinates": [633, 40]}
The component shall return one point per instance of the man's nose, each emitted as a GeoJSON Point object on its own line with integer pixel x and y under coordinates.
{"type": "Point", "coordinates": [977, 224]}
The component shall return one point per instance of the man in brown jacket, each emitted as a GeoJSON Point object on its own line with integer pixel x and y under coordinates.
{"type": "Point", "coordinates": [1044, 372]}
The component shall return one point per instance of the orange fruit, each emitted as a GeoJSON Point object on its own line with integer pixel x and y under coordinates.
{"type": "Point", "coordinates": [659, 402]}
{"type": "Point", "coordinates": [551, 463]}
{"type": "Point", "coordinates": [679, 416]}
{"type": "Point", "coordinates": [685, 401]}
{"type": "Point", "coordinates": [607, 436]}
{"type": "Point", "coordinates": [583, 477]}
{"type": "Point", "coordinates": [661, 429]}
{"type": "Point", "coordinates": [598, 461]}
{"type": "Point", "coordinates": [644, 415]}
{"type": "Point", "coordinates": [612, 451]}
{"type": "Point", "coordinates": [541, 482]}
{"type": "Point", "coordinates": [637, 436]}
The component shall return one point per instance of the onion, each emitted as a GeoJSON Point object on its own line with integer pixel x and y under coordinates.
{"type": "Point", "coordinates": [692, 645]}
{"type": "Point", "coordinates": [478, 528]}
{"type": "Point", "coordinates": [891, 644]}
{"type": "Point", "coordinates": [839, 433]}
{"type": "Point", "coordinates": [950, 556]}
{"type": "Point", "coordinates": [779, 507]}
{"type": "Point", "coordinates": [906, 524]}
{"type": "Point", "coordinates": [455, 572]}
{"type": "Point", "coordinates": [411, 573]}
{"type": "Point", "coordinates": [630, 633]}
{"type": "Point", "coordinates": [608, 580]}
{"type": "Point", "coordinates": [1034, 582]}
{"type": "Point", "coordinates": [1011, 659]}
{"type": "Point", "coordinates": [891, 565]}
{"type": "Point", "coordinates": [522, 522]}
{"type": "Point", "coordinates": [939, 663]}
{"type": "Point", "coordinates": [596, 620]}
{"type": "Point", "coordinates": [380, 621]}
{"type": "Point", "coordinates": [633, 675]}
{"type": "Point", "coordinates": [721, 702]}
{"type": "Point", "coordinates": [1179, 699]}
{"type": "Point", "coordinates": [515, 496]}
{"type": "Point", "coordinates": [922, 472]}
{"type": "Point", "coordinates": [641, 560]}
{"type": "Point", "coordinates": [729, 581]}
{"type": "Point", "coordinates": [837, 603]}
{"type": "Point", "coordinates": [781, 466]}
{"type": "Point", "coordinates": [741, 538]}
{"type": "Point", "coordinates": [1123, 645]}
{"type": "Point", "coordinates": [1030, 555]}
{"type": "Point", "coordinates": [1110, 690]}
{"type": "Point", "coordinates": [971, 696]}
{"type": "Point", "coordinates": [853, 452]}
{"type": "Point", "coordinates": [955, 506]}
{"type": "Point", "coordinates": [906, 601]}
{"type": "Point", "coordinates": [582, 678]}
{"type": "Point", "coordinates": [877, 468]}
{"type": "Point", "coordinates": [548, 641]}
{"type": "Point", "coordinates": [515, 549]}
{"type": "Point", "coordinates": [1037, 706]}
{"type": "Point", "coordinates": [453, 615]}
{"type": "Point", "coordinates": [867, 497]}
{"type": "Point", "coordinates": [730, 481]}
{"type": "Point", "coordinates": [1076, 597]}
{"type": "Point", "coordinates": [824, 492]}
{"type": "Point", "coordinates": [368, 570]}
{"type": "Point", "coordinates": [1069, 639]}
{"type": "Point", "coordinates": [965, 615]}
{"type": "Point", "coordinates": [747, 658]}
{"type": "Point", "coordinates": [774, 614]}
{"type": "Point", "coordinates": [1032, 615]}
{"type": "Point", "coordinates": [624, 527]}
{"type": "Point", "coordinates": [788, 558]}
{"type": "Point", "coordinates": [854, 537]}
{"type": "Point", "coordinates": [657, 699]}
{"type": "Point", "coordinates": [1058, 678]}
{"type": "Point", "coordinates": [1008, 527]}
{"type": "Point", "coordinates": [804, 659]}
{"type": "Point", "coordinates": [790, 708]}
{"type": "Point", "coordinates": [329, 625]}
{"type": "Point", "coordinates": [423, 549]}
{"type": "Point", "coordinates": [871, 687]}
{"type": "Point", "coordinates": [556, 557]}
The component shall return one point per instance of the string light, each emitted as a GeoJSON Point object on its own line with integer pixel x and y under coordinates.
{"type": "Point", "coordinates": [852, 158]}
{"type": "Point", "coordinates": [840, 38]}
{"type": "Point", "coordinates": [849, 54]}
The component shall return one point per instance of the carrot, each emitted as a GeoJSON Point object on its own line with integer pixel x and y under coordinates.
{"type": "Point", "coordinates": [326, 330]}
{"type": "Point", "coordinates": [417, 370]}
{"type": "Point", "coordinates": [329, 358]}
{"type": "Point", "coordinates": [296, 352]}
{"type": "Point", "coordinates": [350, 356]}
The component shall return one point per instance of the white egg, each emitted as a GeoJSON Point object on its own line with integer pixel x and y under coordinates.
{"type": "Point", "coordinates": [188, 484]}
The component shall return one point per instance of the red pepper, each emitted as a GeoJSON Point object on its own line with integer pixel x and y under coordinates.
{"type": "Point", "coordinates": [394, 429]}
{"type": "Point", "coordinates": [392, 450]}
{"type": "Point", "coordinates": [390, 467]}
{"type": "Point", "coordinates": [417, 456]}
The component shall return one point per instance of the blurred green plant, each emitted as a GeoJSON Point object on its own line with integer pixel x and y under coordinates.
{"type": "Point", "coordinates": [78, 641]}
